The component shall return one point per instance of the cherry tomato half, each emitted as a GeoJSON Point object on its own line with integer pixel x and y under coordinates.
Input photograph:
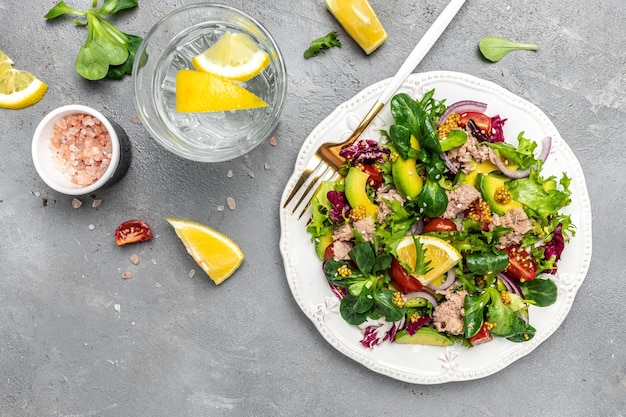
{"type": "Point", "coordinates": [401, 278]}
{"type": "Point", "coordinates": [132, 231]}
{"type": "Point", "coordinates": [375, 179]}
{"type": "Point", "coordinates": [521, 265]}
{"type": "Point", "coordinates": [483, 336]}
{"type": "Point", "coordinates": [482, 120]}
{"type": "Point", "coordinates": [329, 252]}
{"type": "Point", "coordinates": [439, 225]}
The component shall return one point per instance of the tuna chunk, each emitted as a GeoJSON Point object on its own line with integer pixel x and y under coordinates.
{"type": "Point", "coordinates": [382, 196]}
{"type": "Point", "coordinates": [341, 249]}
{"type": "Point", "coordinates": [515, 219]}
{"type": "Point", "coordinates": [366, 228]}
{"type": "Point", "coordinates": [448, 316]}
{"type": "Point", "coordinates": [459, 200]}
{"type": "Point", "coordinates": [470, 151]}
{"type": "Point", "coordinates": [343, 233]}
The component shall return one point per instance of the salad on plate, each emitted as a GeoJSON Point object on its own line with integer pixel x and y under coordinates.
{"type": "Point", "coordinates": [443, 231]}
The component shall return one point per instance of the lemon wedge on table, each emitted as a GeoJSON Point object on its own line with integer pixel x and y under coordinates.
{"type": "Point", "coordinates": [18, 89]}
{"type": "Point", "coordinates": [217, 254]}
{"type": "Point", "coordinates": [198, 91]}
{"type": "Point", "coordinates": [234, 56]}
{"type": "Point", "coordinates": [441, 255]}
{"type": "Point", "coordinates": [360, 21]}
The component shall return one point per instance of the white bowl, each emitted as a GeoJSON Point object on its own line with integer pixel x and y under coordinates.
{"type": "Point", "coordinates": [43, 155]}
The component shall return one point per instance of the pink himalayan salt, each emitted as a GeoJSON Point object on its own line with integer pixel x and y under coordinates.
{"type": "Point", "coordinates": [81, 148]}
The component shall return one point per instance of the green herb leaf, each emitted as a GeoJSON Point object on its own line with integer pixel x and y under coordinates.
{"type": "Point", "coordinates": [107, 52]}
{"type": "Point", "coordinates": [487, 263]}
{"type": "Point", "coordinates": [363, 256]}
{"type": "Point", "coordinates": [455, 138]}
{"type": "Point", "coordinates": [60, 9]}
{"type": "Point", "coordinates": [114, 6]}
{"type": "Point", "coordinates": [92, 62]}
{"type": "Point", "coordinates": [474, 306]}
{"type": "Point", "coordinates": [320, 44]}
{"type": "Point", "coordinates": [542, 291]}
{"type": "Point", "coordinates": [494, 48]}
{"type": "Point", "coordinates": [348, 309]}
{"type": "Point", "coordinates": [432, 200]}
{"type": "Point", "coordinates": [421, 265]}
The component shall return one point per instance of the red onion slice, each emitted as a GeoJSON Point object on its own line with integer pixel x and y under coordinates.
{"type": "Point", "coordinates": [422, 294]}
{"type": "Point", "coordinates": [450, 278]}
{"type": "Point", "coordinates": [511, 173]}
{"type": "Point", "coordinates": [510, 284]}
{"type": "Point", "coordinates": [461, 107]}
{"type": "Point", "coordinates": [546, 145]}
{"type": "Point", "coordinates": [453, 168]}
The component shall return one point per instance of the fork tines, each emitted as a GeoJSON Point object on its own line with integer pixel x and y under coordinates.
{"type": "Point", "coordinates": [316, 172]}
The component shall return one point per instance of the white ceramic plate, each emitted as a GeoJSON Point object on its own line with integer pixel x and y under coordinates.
{"type": "Point", "coordinates": [429, 364]}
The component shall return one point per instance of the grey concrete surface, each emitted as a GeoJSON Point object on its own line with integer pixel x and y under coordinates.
{"type": "Point", "coordinates": [78, 340]}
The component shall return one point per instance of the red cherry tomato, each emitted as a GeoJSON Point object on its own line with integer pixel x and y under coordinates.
{"type": "Point", "coordinates": [401, 278]}
{"type": "Point", "coordinates": [521, 265]}
{"type": "Point", "coordinates": [483, 336]}
{"type": "Point", "coordinates": [329, 252]}
{"type": "Point", "coordinates": [375, 179]}
{"type": "Point", "coordinates": [132, 231]}
{"type": "Point", "coordinates": [439, 225]}
{"type": "Point", "coordinates": [482, 120]}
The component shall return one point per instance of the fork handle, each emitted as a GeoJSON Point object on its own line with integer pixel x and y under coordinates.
{"type": "Point", "coordinates": [415, 57]}
{"type": "Point", "coordinates": [421, 49]}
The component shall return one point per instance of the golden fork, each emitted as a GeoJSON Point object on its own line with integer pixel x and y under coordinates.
{"type": "Point", "coordinates": [325, 163]}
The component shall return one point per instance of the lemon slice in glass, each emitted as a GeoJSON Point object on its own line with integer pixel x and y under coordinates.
{"type": "Point", "coordinates": [198, 91]}
{"type": "Point", "coordinates": [234, 56]}
{"type": "Point", "coordinates": [441, 255]}
{"type": "Point", "coordinates": [360, 21]}
{"type": "Point", "coordinates": [18, 89]}
{"type": "Point", "coordinates": [214, 252]}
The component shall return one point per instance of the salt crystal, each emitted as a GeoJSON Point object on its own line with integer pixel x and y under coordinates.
{"type": "Point", "coordinates": [134, 259]}
{"type": "Point", "coordinates": [117, 307]}
{"type": "Point", "coordinates": [229, 174]}
{"type": "Point", "coordinates": [76, 203]}
{"type": "Point", "coordinates": [267, 166]}
{"type": "Point", "coordinates": [127, 275]}
{"type": "Point", "coordinates": [273, 141]}
{"type": "Point", "coordinates": [220, 208]}
{"type": "Point", "coordinates": [91, 227]}
{"type": "Point", "coordinates": [96, 203]}
{"type": "Point", "coordinates": [192, 273]}
{"type": "Point", "coordinates": [157, 285]}
{"type": "Point", "coordinates": [231, 203]}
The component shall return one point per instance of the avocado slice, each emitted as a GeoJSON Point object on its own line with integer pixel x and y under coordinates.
{"type": "Point", "coordinates": [321, 244]}
{"type": "Point", "coordinates": [424, 336]}
{"type": "Point", "coordinates": [356, 191]}
{"type": "Point", "coordinates": [405, 176]}
{"type": "Point", "coordinates": [483, 167]}
{"type": "Point", "coordinates": [491, 184]}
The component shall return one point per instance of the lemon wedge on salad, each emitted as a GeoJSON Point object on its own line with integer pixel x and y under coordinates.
{"type": "Point", "coordinates": [234, 56]}
{"type": "Point", "coordinates": [217, 254]}
{"type": "Point", "coordinates": [441, 255]}
{"type": "Point", "coordinates": [18, 89]}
